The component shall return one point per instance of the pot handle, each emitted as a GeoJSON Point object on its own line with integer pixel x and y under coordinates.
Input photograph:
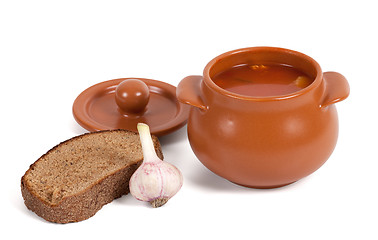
{"type": "Point", "coordinates": [336, 88]}
{"type": "Point", "coordinates": [188, 91]}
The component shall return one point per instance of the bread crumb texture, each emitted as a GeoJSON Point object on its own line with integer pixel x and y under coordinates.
{"type": "Point", "coordinates": [72, 167]}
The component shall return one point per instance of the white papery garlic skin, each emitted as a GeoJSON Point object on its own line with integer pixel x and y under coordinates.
{"type": "Point", "coordinates": [155, 181]}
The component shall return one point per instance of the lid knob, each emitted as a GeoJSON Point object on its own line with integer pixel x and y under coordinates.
{"type": "Point", "coordinates": [132, 96]}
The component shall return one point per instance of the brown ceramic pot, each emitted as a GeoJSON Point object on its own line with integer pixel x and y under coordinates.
{"type": "Point", "coordinates": [263, 142]}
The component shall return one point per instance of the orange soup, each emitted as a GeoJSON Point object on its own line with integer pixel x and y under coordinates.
{"type": "Point", "coordinates": [260, 80]}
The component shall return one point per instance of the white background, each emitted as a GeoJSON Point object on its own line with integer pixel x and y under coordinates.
{"type": "Point", "coordinates": [50, 51]}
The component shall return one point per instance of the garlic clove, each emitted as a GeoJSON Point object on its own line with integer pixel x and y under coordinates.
{"type": "Point", "coordinates": [155, 181]}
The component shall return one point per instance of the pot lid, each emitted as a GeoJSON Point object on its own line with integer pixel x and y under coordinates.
{"type": "Point", "coordinates": [123, 103]}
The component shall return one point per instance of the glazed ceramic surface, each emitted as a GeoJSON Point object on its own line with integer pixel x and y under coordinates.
{"type": "Point", "coordinates": [263, 142]}
{"type": "Point", "coordinates": [125, 102]}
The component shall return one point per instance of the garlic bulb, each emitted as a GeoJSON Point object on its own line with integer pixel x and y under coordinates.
{"type": "Point", "coordinates": [155, 181]}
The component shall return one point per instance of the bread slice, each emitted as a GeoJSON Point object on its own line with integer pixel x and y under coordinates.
{"type": "Point", "coordinates": [73, 180]}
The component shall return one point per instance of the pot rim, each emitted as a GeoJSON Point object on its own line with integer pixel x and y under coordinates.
{"type": "Point", "coordinates": [210, 83]}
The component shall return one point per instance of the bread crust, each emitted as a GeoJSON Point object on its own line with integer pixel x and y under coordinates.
{"type": "Point", "coordinates": [86, 203]}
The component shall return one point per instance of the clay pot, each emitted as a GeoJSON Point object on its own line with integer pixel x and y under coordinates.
{"type": "Point", "coordinates": [263, 142]}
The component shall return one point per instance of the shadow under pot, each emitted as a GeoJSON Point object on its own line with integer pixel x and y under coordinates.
{"type": "Point", "coordinates": [263, 117]}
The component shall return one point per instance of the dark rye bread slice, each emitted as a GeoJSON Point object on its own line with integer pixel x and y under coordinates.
{"type": "Point", "coordinates": [73, 180]}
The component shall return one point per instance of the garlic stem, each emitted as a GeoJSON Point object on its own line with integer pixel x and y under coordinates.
{"type": "Point", "coordinates": [148, 148]}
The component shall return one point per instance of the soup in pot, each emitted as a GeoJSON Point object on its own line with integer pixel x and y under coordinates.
{"type": "Point", "coordinates": [260, 80]}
